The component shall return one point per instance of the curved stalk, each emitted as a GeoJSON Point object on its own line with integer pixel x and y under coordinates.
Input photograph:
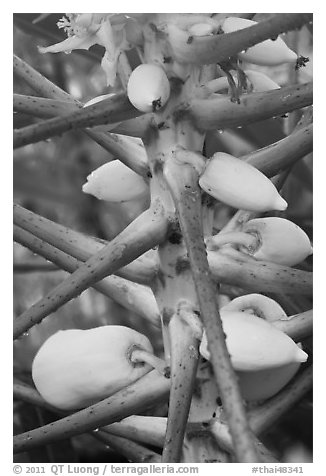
{"type": "Point", "coordinates": [215, 85]}
{"type": "Point", "coordinates": [182, 179]}
{"type": "Point", "coordinates": [145, 232]}
{"type": "Point", "coordinates": [140, 355]}
{"type": "Point", "coordinates": [149, 390]}
{"type": "Point", "coordinates": [232, 238]}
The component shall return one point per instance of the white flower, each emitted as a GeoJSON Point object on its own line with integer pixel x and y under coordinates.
{"type": "Point", "coordinates": [87, 29]}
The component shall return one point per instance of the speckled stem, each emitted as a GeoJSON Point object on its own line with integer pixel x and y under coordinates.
{"type": "Point", "coordinates": [145, 232]}
{"type": "Point", "coordinates": [141, 395]}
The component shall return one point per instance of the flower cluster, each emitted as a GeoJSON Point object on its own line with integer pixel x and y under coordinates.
{"type": "Point", "coordinates": [87, 29]}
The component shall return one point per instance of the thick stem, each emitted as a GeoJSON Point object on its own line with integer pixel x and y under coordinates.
{"type": "Point", "coordinates": [145, 232]}
{"type": "Point", "coordinates": [109, 111]}
{"type": "Point", "coordinates": [41, 107]}
{"type": "Point", "coordinates": [258, 276]}
{"type": "Point", "coordinates": [141, 395]}
{"type": "Point", "coordinates": [278, 156]}
{"type": "Point", "coordinates": [182, 179]}
{"type": "Point", "coordinates": [221, 113]}
{"type": "Point", "coordinates": [39, 83]}
{"type": "Point", "coordinates": [184, 361]}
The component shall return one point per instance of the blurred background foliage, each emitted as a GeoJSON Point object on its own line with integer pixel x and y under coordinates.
{"type": "Point", "coordinates": [48, 179]}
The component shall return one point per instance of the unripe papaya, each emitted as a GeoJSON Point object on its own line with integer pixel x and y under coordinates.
{"type": "Point", "coordinates": [239, 184]}
{"type": "Point", "coordinates": [76, 368]}
{"type": "Point", "coordinates": [279, 240]}
{"type": "Point", "coordinates": [148, 88]}
{"type": "Point", "coordinates": [255, 344]}
{"type": "Point", "coordinates": [266, 383]}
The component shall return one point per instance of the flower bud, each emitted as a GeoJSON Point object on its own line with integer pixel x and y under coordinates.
{"type": "Point", "coordinates": [266, 53]}
{"type": "Point", "coordinates": [76, 368]}
{"type": "Point", "coordinates": [115, 182]}
{"type": "Point", "coordinates": [255, 344]}
{"type": "Point", "coordinates": [279, 241]}
{"type": "Point", "coordinates": [148, 88]}
{"type": "Point", "coordinates": [239, 184]}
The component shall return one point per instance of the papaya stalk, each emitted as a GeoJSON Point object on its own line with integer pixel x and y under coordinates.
{"type": "Point", "coordinates": [79, 245]}
{"type": "Point", "coordinates": [139, 396]}
{"type": "Point", "coordinates": [134, 452]}
{"type": "Point", "coordinates": [124, 149]}
{"type": "Point", "coordinates": [225, 351]}
{"type": "Point", "coordinates": [131, 295]}
{"type": "Point", "coordinates": [141, 235]}
{"type": "Point", "coordinates": [182, 179]}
